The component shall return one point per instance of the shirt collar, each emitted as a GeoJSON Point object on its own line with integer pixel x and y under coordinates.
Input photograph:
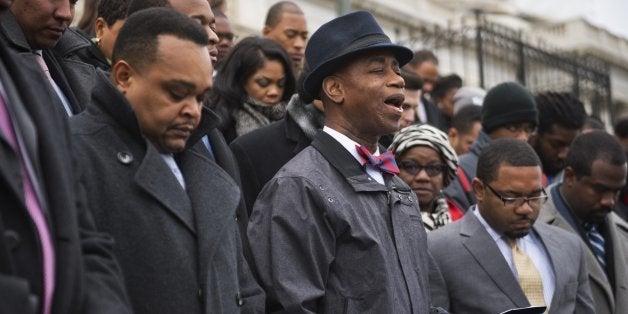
{"type": "Point", "coordinates": [347, 143]}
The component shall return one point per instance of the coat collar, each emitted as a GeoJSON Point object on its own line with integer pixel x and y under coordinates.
{"type": "Point", "coordinates": [12, 31]}
{"type": "Point", "coordinates": [70, 42]}
{"type": "Point", "coordinates": [350, 168]}
{"type": "Point", "coordinates": [107, 97]}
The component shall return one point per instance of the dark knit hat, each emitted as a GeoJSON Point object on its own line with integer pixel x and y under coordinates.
{"type": "Point", "coordinates": [508, 103]}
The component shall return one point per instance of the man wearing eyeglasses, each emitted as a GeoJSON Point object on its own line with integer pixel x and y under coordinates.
{"type": "Point", "coordinates": [496, 257]}
{"type": "Point", "coordinates": [595, 173]}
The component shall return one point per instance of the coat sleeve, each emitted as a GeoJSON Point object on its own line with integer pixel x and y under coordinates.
{"type": "Point", "coordinates": [438, 286]}
{"type": "Point", "coordinates": [293, 245]}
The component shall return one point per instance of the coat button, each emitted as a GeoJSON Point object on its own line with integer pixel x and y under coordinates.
{"type": "Point", "coordinates": [12, 239]}
{"type": "Point", "coordinates": [239, 300]}
{"type": "Point", "coordinates": [125, 158]}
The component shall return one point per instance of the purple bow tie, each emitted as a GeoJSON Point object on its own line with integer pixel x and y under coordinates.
{"type": "Point", "coordinates": [385, 162]}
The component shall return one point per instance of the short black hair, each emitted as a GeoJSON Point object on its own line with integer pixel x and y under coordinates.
{"type": "Point", "coordinates": [589, 147]}
{"type": "Point", "coordinates": [273, 17]}
{"type": "Point", "coordinates": [421, 56]}
{"type": "Point", "coordinates": [464, 120]}
{"type": "Point", "coordinates": [138, 5]}
{"type": "Point", "coordinates": [413, 81]}
{"type": "Point", "coordinates": [562, 109]}
{"type": "Point", "coordinates": [137, 42]}
{"type": "Point", "coordinates": [621, 128]}
{"type": "Point", "coordinates": [112, 10]}
{"type": "Point", "coordinates": [505, 151]}
{"type": "Point", "coordinates": [445, 84]}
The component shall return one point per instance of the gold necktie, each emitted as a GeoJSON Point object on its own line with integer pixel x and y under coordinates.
{"type": "Point", "coordinates": [529, 277]}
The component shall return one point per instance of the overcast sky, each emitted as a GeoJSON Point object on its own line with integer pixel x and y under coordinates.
{"type": "Point", "coordinates": [608, 14]}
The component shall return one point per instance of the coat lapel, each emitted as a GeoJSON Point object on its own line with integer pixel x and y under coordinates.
{"type": "Point", "coordinates": [486, 253]}
{"type": "Point", "coordinates": [559, 263]}
{"type": "Point", "coordinates": [214, 197]}
{"type": "Point", "coordinates": [345, 163]}
{"type": "Point", "coordinates": [550, 215]}
{"type": "Point", "coordinates": [156, 178]}
{"type": "Point", "coordinates": [618, 229]}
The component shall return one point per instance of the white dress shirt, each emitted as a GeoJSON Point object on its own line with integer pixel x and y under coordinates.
{"type": "Point", "coordinates": [349, 145]}
{"type": "Point", "coordinates": [172, 164]}
{"type": "Point", "coordinates": [533, 247]}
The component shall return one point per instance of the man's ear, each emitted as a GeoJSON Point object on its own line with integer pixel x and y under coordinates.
{"type": "Point", "coordinates": [99, 27]}
{"type": "Point", "coordinates": [452, 134]}
{"type": "Point", "coordinates": [122, 75]}
{"type": "Point", "coordinates": [266, 30]}
{"type": "Point", "coordinates": [478, 189]}
{"type": "Point", "coordinates": [332, 87]}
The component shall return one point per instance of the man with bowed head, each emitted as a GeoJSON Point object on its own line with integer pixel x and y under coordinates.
{"type": "Point", "coordinates": [336, 229]}
{"type": "Point", "coordinates": [52, 259]}
{"type": "Point", "coordinates": [497, 257]}
{"type": "Point", "coordinates": [149, 180]}
{"type": "Point", "coordinates": [595, 173]}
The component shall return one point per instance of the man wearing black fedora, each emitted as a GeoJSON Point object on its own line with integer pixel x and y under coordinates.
{"type": "Point", "coordinates": [336, 230]}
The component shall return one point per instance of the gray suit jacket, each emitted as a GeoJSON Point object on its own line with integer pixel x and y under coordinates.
{"type": "Point", "coordinates": [179, 249]}
{"type": "Point", "coordinates": [605, 301]}
{"type": "Point", "coordinates": [471, 275]}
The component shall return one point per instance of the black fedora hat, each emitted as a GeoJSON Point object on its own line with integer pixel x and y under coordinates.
{"type": "Point", "coordinates": [342, 38]}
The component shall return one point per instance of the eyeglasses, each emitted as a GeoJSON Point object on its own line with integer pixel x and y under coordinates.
{"type": "Point", "coordinates": [514, 202]}
{"type": "Point", "coordinates": [414, 168]}
{"type": "Point", "coordinates": [227, 36]}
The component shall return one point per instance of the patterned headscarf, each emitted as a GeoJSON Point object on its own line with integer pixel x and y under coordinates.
{"type": "Point", "coordinates": [426, 135]}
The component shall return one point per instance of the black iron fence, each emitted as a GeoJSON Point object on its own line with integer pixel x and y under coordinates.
{"type": "Point", "coordinates": [486, 54]}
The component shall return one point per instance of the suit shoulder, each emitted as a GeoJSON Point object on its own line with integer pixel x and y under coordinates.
{"type": "Point", "coordinates": [545, 229]}
{"type": "Point", "coordinates": [71, 41]}
{"type": "Point", "coordinates": [307, 161]}
{"type": "Point", "coordinates": [444, 235]}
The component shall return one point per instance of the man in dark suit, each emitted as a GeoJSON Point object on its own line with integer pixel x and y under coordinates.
{"type": "Point", "coordinates": [33, 28]}
{"type": "Point", "coordinates": [51, 258]}
{"type": "Point", "coordinates": [150, 182]}
{"type": "Point", "coordinates": [496, 257]}
{"type": "Point", "coordinates": [595, 172]}
{"type": "Point", "coordinates": [219, 151]}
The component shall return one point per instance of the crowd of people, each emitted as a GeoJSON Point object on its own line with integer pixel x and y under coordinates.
{"type": "Point", "coordinates": [152, 162]}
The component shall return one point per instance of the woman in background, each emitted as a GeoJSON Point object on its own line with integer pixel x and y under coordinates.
{"type": "Point", "coordinates": [109, 18]}
{"type": "Point", "coordinates": [427, 163]}
{"type": "Point", "coordinates": [253, 86]}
